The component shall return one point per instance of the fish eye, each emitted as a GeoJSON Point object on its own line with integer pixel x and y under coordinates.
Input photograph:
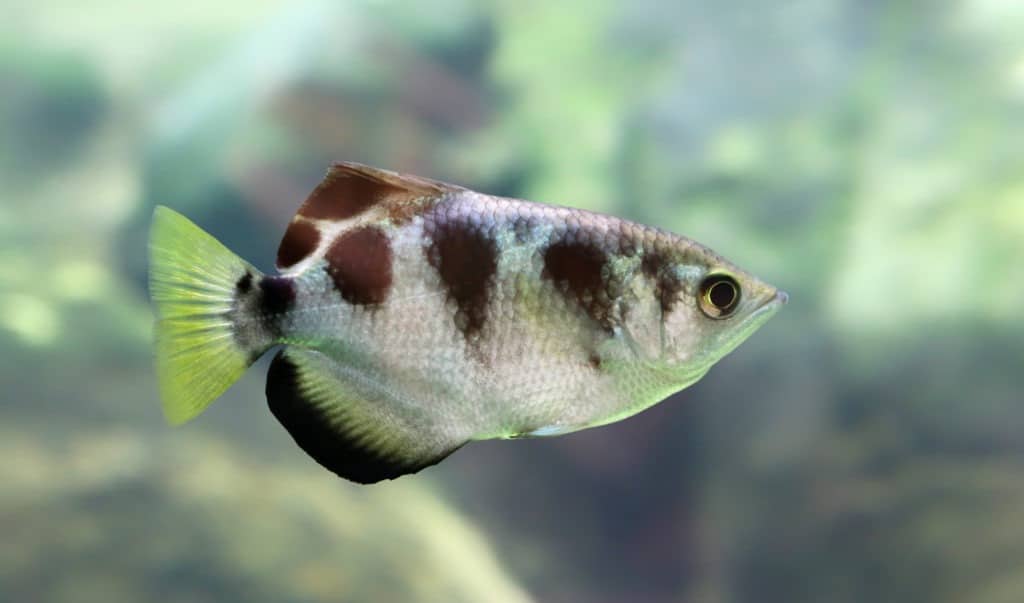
{"type": "Point", "coordinates": [719, 296]}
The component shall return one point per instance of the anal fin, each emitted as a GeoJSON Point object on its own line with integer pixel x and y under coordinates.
{"type": "Point", "coordinates": [349, 425]}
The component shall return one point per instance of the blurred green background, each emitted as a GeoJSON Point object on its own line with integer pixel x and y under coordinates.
{"type": "Point", "coordinates": [868, 157]}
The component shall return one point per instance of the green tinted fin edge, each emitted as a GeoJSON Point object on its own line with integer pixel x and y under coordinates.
{"type": "Point", "coordinates": [192, 284]}
{"type": "Point", "coordinates": [337, 426]}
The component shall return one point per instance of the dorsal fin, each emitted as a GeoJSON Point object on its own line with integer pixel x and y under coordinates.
{"type": "Point", "coordinates": [350, 188]}
{"type": "Point", "coordinates": [348, 191]}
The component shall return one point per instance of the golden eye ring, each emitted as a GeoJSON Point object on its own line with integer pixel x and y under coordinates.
{"type": "Point", "coordinates": [719, 296]}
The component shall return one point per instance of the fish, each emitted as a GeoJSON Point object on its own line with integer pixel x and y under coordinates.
{"type": "Point", "coordinates": [412, 316]}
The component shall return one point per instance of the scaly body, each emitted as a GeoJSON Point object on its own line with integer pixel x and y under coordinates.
{"type": "Point", "coordinates": [419, 315]}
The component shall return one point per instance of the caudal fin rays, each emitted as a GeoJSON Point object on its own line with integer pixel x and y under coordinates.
{"type": "Point", "coordinates": [192, 281]}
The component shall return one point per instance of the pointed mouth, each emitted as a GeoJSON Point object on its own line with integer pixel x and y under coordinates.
{"type": "Point", "coordinates": [765, 311]}
{"type": "Point", "coordinates": [751, 323]}
{"type": "Point", "coordinates": [761, 315]}
{"type": "Point", "coordinates": [770, 305]}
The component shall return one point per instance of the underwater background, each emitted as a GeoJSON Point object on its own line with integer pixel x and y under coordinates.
{"type": "Point", "coordinates": [868, 157]}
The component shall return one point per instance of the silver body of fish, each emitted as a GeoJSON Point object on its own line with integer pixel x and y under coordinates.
{"type": "Point", "coordinates": [416, 316]}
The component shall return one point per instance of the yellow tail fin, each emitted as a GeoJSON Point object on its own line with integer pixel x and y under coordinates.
{"type": "Point", "coordinates": [193, 282]}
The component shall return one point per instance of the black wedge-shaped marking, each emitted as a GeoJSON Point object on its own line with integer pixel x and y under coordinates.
{"type": "Point", "coordinates": [360, 263]}
{"type": "Point", "coordinates": [299, 242]}
{"type": "Point", "coordinates": [277, 294]}
{"type": "Point", "coordinates": [314, 426]}
{"type": "Point", "coordinates": [579, 271]}
{"type": "Point", "coordinates": [466, 259]}
{"type": "Point", "coordinates": [658, 268]}
{"type": "Point", "coordinates": [244, 284]}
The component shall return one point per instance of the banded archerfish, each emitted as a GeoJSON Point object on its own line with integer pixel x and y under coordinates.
{"type": "Point", "coordinates": [413, 316]}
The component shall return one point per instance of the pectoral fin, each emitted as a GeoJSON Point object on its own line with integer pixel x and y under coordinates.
{"type": "Point", "coordinates": [350, 425]}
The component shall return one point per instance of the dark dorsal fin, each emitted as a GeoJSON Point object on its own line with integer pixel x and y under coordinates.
{"type": "Point", "coordinates": [349, 427]}
{"type": "Point", "coordinates": [350, 190]}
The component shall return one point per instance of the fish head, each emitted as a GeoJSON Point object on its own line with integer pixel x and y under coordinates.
{"type": "Point", "coordinates": [715, 308]}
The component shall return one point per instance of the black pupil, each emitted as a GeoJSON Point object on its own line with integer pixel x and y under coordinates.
{"type": "Point", "coordinates": [722, 294]}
